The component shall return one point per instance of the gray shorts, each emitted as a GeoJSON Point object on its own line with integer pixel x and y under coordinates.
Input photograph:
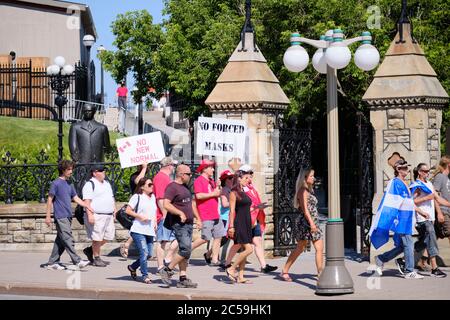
{"type": "Point", "coordinates": [212, 229]}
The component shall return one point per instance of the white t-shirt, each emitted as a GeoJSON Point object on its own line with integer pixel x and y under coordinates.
{"type": "Point", "coordinates": [427, 206]}
{"type": "Point", "coordinates": [147, 207]}
{"type": "Point", "coordinates": [102, 196]}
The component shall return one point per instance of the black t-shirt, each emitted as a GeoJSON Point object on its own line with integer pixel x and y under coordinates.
{"type": "Point", "coordinates": [181, 198]}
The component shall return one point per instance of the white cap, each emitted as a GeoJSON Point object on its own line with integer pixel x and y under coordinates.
{"type": "Point", "coordinates": [246, 168]}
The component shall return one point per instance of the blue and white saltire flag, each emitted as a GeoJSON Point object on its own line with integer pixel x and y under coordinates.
{"type": "Point", "coordinates": [421, 186]}
{"type": "Point", "coordinates": [395, 213]}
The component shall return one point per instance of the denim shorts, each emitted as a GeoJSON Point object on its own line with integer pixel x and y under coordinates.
{"type": "Point", "coordinates": [164, 234]}
{"type": "Point", "coordinates": [183, 234]}
{"type": "Point", "coordinates": [212, 229]}
{"type": "Point", "coordinates": [256, 231]}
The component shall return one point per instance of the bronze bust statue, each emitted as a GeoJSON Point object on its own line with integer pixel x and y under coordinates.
{"type": "Point", "coordinates": [88, 139]}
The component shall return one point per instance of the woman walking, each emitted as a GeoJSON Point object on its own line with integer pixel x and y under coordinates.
{"type": "Point", "coordinates": [142, 206]}
{"type": "Point", "coordinates": [424, 198]}
{"type": "Point", "coordinates": [308, 223]}
{"type": "Point", "coordinates": [240, 225]}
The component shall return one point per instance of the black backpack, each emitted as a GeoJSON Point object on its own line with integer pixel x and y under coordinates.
{"type": "Point", "coordinates": [79, 210]}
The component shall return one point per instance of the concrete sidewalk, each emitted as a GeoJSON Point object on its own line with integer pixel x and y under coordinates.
{"type": "Point", "coordinates": [20, 274]}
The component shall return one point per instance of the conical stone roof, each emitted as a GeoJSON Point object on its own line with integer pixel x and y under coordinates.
{"type": "Point", "coordinates": [405, 78]}
{"type": "Point", "coordinates": [247, 83]}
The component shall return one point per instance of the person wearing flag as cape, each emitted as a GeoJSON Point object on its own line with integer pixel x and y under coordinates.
{"type": "Point", "coordinates": [396, 214]}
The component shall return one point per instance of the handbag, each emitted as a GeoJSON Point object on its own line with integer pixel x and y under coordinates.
{"type": "Point", "coordinates": [79, 210]}
{"type": "Point", "coordinates": [123, 218]}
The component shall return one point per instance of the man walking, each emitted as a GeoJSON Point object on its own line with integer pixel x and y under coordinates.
{"type": "Point", "coordinates": [60, 197]}
{"type": "Point", "coordinates": [164, 236]}
{"type": "Point", "coordinates": [207, 195]}
{"type": "Point", "coordinates": [180, 218]}
{"type": "Point", "coordinates": [99, 220]}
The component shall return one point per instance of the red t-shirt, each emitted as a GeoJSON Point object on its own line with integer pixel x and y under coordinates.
{"type": "Point", "coordinates": [207, 209]}
{"type": "Point", "coordinates": [122, 91]}
{"type": "Point", "coordinates": [160, 183]}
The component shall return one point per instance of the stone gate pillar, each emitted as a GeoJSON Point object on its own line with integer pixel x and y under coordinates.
{"type": "Point", "coordinates": [406, 101]}
{"type": "Point", "coordinates": [248, 90]}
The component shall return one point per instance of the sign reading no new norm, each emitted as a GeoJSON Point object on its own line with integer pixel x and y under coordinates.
{"type": "Point", "coordinates": [144, 148]}
{"type": "Point", "coordinates": [221, 137]}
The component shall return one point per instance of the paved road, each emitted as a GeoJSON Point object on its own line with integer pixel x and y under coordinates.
{"type": "Point", "coordinates": [20, 274]}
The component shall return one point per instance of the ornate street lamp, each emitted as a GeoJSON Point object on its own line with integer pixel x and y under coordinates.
{"type": "Point", "coordinates": [60, 73]}
{"type": "Point", "coordinates": [100, 49]}
{"type": "Point", "coordinates": [332, 54]}
{"type": "Point", "coordinates": [88, 42]}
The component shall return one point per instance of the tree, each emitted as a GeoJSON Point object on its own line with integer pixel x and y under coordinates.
{"type": "Point", "coordinates": [137, 41]}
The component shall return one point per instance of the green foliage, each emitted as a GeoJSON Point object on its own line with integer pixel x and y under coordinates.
{"type": "Point", "coordinates": [137, 40]}
{"type": "Point", "coordinates": [200, 35]}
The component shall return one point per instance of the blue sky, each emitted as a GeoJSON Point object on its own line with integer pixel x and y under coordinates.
{"type": "Point", "coordinates": [104, 13]}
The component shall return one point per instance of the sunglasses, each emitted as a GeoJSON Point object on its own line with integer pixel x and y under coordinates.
{"type": "Point", "coordinates": [189, 174]}
{"type": "Point", "coordinates": [425, 171]}
{"type": "Point", "coordinates": [149, 184]}
{"type": "Point", "coordinates": [99, 171]}
{"type": "Point", "coordinates": [402, 168]}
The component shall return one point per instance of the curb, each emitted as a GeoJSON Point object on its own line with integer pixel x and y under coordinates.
{"type": "Point", "coordinates": [111, 294]}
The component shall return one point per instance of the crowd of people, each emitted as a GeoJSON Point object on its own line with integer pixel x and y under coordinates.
{"type": "Point", "coordinates": [230, 211]}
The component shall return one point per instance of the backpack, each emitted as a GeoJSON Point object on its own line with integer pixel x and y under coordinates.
{"type": "Point", "coordinates": [79, 210]}
{"type": "Point", "coordinates": [124, 219]}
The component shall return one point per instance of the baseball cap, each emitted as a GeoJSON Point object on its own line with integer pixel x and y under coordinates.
{"type": "Point", "coordinates": [97, 167]}
{"type": "Point", "coordinates": [401, 163]}
{"type": "Point", "coordinates": [167, 161]}
{"type": "Point", "coordinates": [205, 164]}
{"type": "Point", "coordinates": [246, 168]}
{"type": "Point", "coordinates": [225, 174]}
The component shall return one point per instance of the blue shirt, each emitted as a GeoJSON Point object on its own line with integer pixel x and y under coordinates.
{"type": "Point", "coordinates": [62, 193]}
{"type": "Point", "coordinates": [225, 212]}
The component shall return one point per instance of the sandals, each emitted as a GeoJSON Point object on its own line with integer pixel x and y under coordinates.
{"type": "Point", "coordinates": [285, 277]}
{"type": "Point", "coordinates": [147, 280]}
{"type": "Point", "coordinates": [230, 276]}
{"type": "Point", "coordinates": [244, 281]}
{"type": "Point", "coordinates": [133, 273]}
{"type": "Point", "coordinates": [124, 250]}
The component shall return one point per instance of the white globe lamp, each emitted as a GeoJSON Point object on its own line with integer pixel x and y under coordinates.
{"type": "Point", "coordinates": [295, 58]}
{"type": "Point", "coordinates": [367, 56]}
{"type": "Point", "coordinates": [338, 55]}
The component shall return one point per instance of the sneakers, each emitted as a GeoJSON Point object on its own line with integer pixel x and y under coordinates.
{"type": "Point", "coordinates": [82, 264]}
{"type": "Point", "coordinates": [268, 268]}
{"type": "Point", "coordinates": [438, 273]}
{"type": "Point", "coordinates": [413, 275]}
{"type": "Point", "coordinates": [400, 263]}
{"type": "Point", "coordinates": [166, 274]}
{"type": "Point", "coordinates": [207, 259]}
{"type": "Point", "coordinates": [98, 262]}
{"type": "Point", "coordinates": [186, 283]}
{"type": "Point", "coordinates": [379, 266]}
{"type": "Point", "coordinates": [89, 254]}
{"type": "Point", "coordinates": [55, 266]}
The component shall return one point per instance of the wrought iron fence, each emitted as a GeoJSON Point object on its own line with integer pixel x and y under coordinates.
{"type": "Point", "coordinates": [25, 92]}
{"type": "Point", "coordinates": [25, 180]}
{"type": "Point", "coordinates": [294, 154]}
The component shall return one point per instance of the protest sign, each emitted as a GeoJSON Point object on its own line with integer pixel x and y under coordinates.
{"type": "Point", "coordinates": [221, 137]}
{"type": "Point", "coordinates": [144, 148]}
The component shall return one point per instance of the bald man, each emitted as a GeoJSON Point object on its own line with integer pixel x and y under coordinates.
{"type": "Point", "coordinates": [180, 218]}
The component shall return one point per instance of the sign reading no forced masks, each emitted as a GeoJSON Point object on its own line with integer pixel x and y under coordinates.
{"type": "Point", "coordinates": [221, 137]}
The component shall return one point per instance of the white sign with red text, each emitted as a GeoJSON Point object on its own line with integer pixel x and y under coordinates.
{"type": "Point", "coordinates": [144, 148]}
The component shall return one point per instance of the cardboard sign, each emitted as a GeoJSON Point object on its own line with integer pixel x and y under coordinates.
{"type": "Point", "coordinates": [144, 148]}
{"type": "Point", "coordinates": [221, 137]}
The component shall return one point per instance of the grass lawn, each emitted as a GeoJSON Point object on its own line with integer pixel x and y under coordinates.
{"type": "Point", "coordinates": [25, 138]}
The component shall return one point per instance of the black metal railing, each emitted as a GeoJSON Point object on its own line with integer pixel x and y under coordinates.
{"type": "Point", "coordinates": [27, 180]}
{"type": "Point", "coordinates": [25, 92]}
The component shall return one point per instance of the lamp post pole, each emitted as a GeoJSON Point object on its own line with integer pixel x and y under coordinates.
{"type": "Point", "coordinates": [60, 81]}
{"type": "Point", "coordinates": [332, 54]}
{"type": "Point", "coordinates": [102, 88]}
{"type": "Point", "coordinates": [88, 42]}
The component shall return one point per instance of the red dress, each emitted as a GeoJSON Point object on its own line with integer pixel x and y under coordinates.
{"type": "Point", "coordinates": [257, 215]}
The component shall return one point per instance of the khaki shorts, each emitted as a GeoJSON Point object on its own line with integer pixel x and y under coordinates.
{"type": "Point", "coordinates": [102, 229]}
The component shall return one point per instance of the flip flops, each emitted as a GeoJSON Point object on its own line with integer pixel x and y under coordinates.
{"type": "Point", "coordinates": [230, 276]}
{"type": "Point", "coordinates": [123, 250]}
{"type": "Point", "coordinates": [245, 281]}
{"type": "Point", "coordinates": [133, 273]}
{"type": "Point", "coordinates": [285, 277]}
